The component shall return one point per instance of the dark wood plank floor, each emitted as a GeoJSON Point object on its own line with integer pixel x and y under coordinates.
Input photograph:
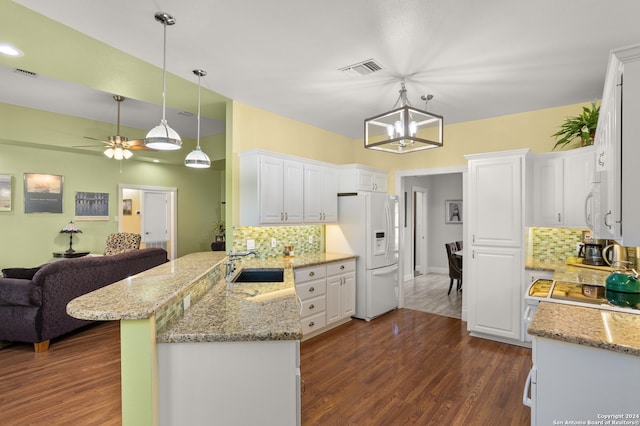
{"type": "Point", "coordinates": [404, 368]}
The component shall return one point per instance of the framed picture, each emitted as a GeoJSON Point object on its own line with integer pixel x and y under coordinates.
{"type": "Point", "coordinates": [42, 193]}
{"type": "Point", "coordinates": [126, 207]}
{"type": "Point", "coordinates": [92, 206]}
{"type": "Point", "coordinates": [453, 211]}
{"type": "Point", "coordinates": [5, 193]}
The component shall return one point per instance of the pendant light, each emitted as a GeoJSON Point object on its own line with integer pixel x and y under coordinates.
{"type": "Point", "coordinates": [162, 137]}
{"type": "Point", "coordinates": [197, 158]}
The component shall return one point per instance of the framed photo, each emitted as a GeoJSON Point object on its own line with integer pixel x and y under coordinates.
{"type": "Point", "coordinates": [92, 206]}
{"type": "Point", "coordinates": [126, 207]}
{"type": "Point", "coordinates": [453, 211]}
{"type": "Point", "coordinates": [5, 193]}
{"type": "Point", "coordinates": [42, 193]}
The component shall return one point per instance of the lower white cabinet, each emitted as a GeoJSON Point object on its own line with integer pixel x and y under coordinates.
{"type": "Point", "coordinates": [583, 384]}
{"type": "Point", "coordinates": [341, 291]}
{"type": "Point", "coordinates": [327, 295]}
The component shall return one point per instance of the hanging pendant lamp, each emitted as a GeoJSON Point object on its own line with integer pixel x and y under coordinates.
{"type": "Point", "coordinates": [197, 158]}
{"type": "Point", "coordinates": [162, 137]}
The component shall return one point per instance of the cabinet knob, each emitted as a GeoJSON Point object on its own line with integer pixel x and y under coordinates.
{"type": "Point", "coordinates": [311, 324]}
{"type": "Point", "coordinates": [311, 289]}
{"type": "Point", "coordinates": [312, 306]}
{"type": "Point", "coordinates": [311, 274]}
{"type": "Point", "coordinates": [342, 267]}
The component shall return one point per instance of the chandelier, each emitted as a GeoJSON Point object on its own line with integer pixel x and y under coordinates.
{"type": "Point", "coordinates": [403, 129]}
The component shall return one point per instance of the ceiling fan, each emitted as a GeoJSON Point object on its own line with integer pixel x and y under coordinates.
{"type": "Point", "coordinates": [119, 147]}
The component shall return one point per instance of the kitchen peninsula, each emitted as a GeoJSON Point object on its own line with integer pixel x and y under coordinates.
{"type": "Point", "coordinates": [232, 356]}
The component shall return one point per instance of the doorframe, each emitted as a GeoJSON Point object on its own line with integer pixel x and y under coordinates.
{"type": "Point", "coordinates": [399, 189]}
{"type": "Point", "coordinates": [425, 220]}
{"type": "Point", "coordinates": [172, 193]}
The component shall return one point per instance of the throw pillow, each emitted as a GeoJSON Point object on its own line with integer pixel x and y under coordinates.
{"type": "Point", "coordinates": [21, 273]}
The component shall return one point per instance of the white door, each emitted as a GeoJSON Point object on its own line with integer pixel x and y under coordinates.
{"type": "Point", "coordinates": [382, 291]}
{"type": "Point", "coordinates": [155, 217]}
{"type": "Point", "coordinates": [420, 231]}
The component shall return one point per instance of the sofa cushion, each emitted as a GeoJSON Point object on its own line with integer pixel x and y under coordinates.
{"type": "Point", "coordinates": [23, 273]}
{"type": "Point", "coordinates": [15, 291]}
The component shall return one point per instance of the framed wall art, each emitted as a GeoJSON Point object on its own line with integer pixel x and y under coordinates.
{"type": "Point", "coordinates": [42, 193]}
{"type": "Point", "coordinates": [5, 193]}
{"type": "Point", "coordinates": [92, 206]}
{"type": "Point", "coordinates": [453, 211]}
{"type": "Point", "coordinates": [127, 206]}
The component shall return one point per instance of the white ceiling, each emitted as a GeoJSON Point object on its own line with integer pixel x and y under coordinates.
{"type": "Point", "coordinates": [478, 58]}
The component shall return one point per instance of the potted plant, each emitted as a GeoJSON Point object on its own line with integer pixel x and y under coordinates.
{"type": "Point", "coordinates": [582, 126]}
{"type": "Point", "coordinates": [218, 229]}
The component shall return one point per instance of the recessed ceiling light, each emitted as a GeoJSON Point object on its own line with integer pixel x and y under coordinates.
{"type": "Point", "coordinates": [156, 161]}
{"type": "Point", "coordinates": [9, 50]}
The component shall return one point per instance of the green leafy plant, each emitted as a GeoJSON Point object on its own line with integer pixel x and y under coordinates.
{"type": "Point", "coordinates": [219, 228]}
{"type": "Point", "coordinates": [582, 126]}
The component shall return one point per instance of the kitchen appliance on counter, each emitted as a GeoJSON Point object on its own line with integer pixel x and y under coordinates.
{"type": "Point", "coordinates": [368, 227]}
{"type": "Point", "coordinates": [591, 250]}
{"type": "Point", "coordinates": [614, 254]}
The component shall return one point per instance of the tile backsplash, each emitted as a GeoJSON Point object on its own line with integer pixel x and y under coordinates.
{"type": "Point", "coordinates": [304, 238]}
{"type": "Point", "coordinates": [549, 244]}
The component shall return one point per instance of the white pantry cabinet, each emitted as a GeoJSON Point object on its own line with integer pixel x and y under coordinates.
{"type": "Point", "coordinates": [561, 185]}
{"type": "Point", "coordinates": [356, 177]}
{"type": "Point", "coordinates": [320, 194]}
{"type": "Point", "coordinates": [494, 265]}
{"type": "Point", "coordinates": [615, 205]}
{"type": "Point", "coordinates": [341, 290]}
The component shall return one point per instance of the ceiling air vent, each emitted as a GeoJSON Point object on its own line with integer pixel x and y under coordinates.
{"type": "Point", "coordinates": [26, 73]}
{"type": "Point", "coordinates": [361, 68]}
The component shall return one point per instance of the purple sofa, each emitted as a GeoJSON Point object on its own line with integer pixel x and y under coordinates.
{"type": "Point", "coordinates": [34, 310]}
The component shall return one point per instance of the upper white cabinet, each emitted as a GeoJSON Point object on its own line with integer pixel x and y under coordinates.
{"type": "Point", "coordinates": [278, 189]}
{"type": "Point", "coordinates": [494, 260]}
{"type": "Point", "coordinates": [320, 194]}
{"type": "Point", "coordinates": [356, 177]}
{"type": "Point", "coordinates": [615, 206]}
{"type": "Point", "coordinates": [561, 185]}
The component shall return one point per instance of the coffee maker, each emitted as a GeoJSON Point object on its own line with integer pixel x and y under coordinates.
{"type": "Point", "coordinates": [591, 250]}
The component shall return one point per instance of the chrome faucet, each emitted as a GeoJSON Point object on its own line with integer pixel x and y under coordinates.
{"type": "Point", "coordinates": [234, 256]}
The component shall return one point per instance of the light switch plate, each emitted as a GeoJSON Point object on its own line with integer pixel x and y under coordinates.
{"type": "Point", "coordinates": [186, 302]}
{"type": "Point", "coordinates": [251, 244]}
{"type": "Point", "coordinates": [274, 242]}
{"type": "Point", "coordinates": [310, 239]}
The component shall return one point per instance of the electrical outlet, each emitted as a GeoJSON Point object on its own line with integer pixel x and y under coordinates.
{"type": "Point", "coordinates": [186, 302]}
{"type": "Point", "coordinates": [274, 242]}
{"type": "Point", "coordinates": [251, 244]}
{"type": "Point", "coordinates": [310, 239]}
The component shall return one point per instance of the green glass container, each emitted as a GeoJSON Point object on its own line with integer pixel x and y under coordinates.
{"type": "Point", "coordinates": [623, 289]}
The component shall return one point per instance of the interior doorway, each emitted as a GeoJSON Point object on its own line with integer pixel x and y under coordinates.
{"type": "Point", "coordinates": [151, 212]}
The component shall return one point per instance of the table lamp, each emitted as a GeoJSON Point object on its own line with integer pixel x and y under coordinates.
{"type": "Point", "coordinates": [70, 229]}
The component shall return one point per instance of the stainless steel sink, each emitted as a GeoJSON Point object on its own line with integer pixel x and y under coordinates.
{"type": "Point", "coordinates": [260, 275]}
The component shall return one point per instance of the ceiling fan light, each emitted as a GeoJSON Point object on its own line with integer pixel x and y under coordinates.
{"type": "Point", "coordinates": [197, 159]}
{"type": "Point", "coordinates": [118, 154]}
{"type": "Point", "coordinates": [109, 152]}
{"type": "Point", "coordinates": [127, 154]}
{"type": "Point", "coordinates": [163, 138]}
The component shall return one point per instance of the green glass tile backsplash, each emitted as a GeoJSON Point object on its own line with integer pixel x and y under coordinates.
{"type": "Point", "coordinates": [305, 239]}
{"type": "Point", "coordinates": [549, 244]}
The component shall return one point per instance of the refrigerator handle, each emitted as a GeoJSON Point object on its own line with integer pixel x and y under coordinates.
{"type": "Point", "coordinates": [527, 396]}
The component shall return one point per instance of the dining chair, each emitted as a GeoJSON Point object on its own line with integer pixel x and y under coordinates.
{"type": "Point", "coordinates": [455, 266]}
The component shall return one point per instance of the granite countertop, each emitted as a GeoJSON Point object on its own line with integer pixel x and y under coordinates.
{"type": "Point", "coordinates": [222, 314]}
{"type": "Point", "coordinates": [598, 328]}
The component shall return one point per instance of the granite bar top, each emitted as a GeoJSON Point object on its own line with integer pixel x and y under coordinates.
{"type": "Point", "coordinates": [598, 328]}
{"type": "Point", "coordinates": [223, 314]}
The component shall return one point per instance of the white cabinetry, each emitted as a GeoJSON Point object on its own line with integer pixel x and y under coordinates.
{"type": "Point", "coordinates": [356, 177]}
{"type": "Point", "coordinates": [561, 184]}
{"type": "Point", "coordinates": [495, 265]}
{"type": "Point", "coordinates": [615, 206]}
{"type": "Point", "coordinates": [341, 291]}
{"type": "Point", "coordinates": [581, 383]}
{"type": "Point", "coordinates": [328, 295]}
{"type": "Point", "coordinates": [320, 194]}
{"type": "Point", "coordinates": [277, 189]}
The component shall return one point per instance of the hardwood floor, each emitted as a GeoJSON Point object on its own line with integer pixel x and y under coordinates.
{"type": "Point", "coordinates": [403, 368]}
{"type": "Point", "coordinates": [428, 293]}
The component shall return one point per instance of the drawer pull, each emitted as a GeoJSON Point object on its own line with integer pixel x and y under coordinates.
{"type": "Point", "coordinates": [312, 289]}
{"type": "Point", "coordinates": [311, 306]}
{"type": "Point", "coordinates": [311, 274]}
{"type": "Point", "coordinates": [341, 267]}
{"type": "Point", "coordinates": [311, 324]}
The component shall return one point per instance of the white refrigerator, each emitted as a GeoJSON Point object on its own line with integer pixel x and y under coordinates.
{"type": "Point", "coordinates": [368, 227]}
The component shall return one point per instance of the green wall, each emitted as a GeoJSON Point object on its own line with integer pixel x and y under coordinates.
{"type": "Point", "coordinates": [30, 239]}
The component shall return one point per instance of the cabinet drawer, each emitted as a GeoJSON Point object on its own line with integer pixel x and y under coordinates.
{"type": "Point", "coordinates": [311, 289]}
{"type": "Point", "coordinates": [313, 306]}
{"type": "Point", "coordinates": [308, 274]}
{"type": "Point", "coordinates": [313, 323]}
{"type": "Point", "coordinates": [341, 267]}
